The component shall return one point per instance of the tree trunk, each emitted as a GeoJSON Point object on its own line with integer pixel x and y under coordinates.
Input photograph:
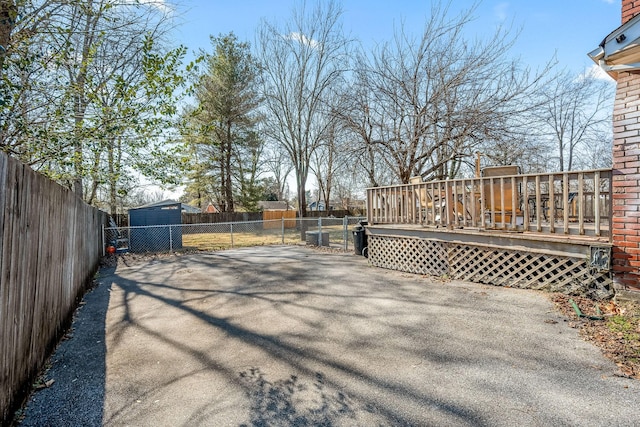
{"type": "Point", "coordinates": [8, 14]}
{"type": "Point", "coordinates": [112, 178]}
{"type": "Point", "coordinates": [80, 102]}
{"type": "Point", "coordinates": [302, 197]}
{"type": "Point", "coordinates": [228, 187]}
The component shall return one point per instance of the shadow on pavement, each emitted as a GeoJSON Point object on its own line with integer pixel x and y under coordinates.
{"type": "Point", "coordinates": [245, 308]}
{"type": "Point", "coordinates": [279, 402]}
{"type": "Point", "coordinates": [290, 337]}
{"type": "Point", "coordinates": [77, 368]}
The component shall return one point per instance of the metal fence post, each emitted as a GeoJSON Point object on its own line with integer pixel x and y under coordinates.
{"type": "Point", "coordinates": [283, 230]}
{"type": "Point", "coordinates": [170, 239]}
{"type": "Point", "coordinates": [104, 241]}
{"type": "Point", "coordinates": [319, 231]}
{"type": "Point", "coordinates": [345, 235]}
{"type": "Point", "coordinates": [231, 234]}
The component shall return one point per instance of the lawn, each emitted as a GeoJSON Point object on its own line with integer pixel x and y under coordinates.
{"type": "Point", "coordinates": [207, 241]}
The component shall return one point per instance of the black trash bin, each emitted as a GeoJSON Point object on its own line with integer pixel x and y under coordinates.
{"type": "Point", "coordinates": [360, 239]}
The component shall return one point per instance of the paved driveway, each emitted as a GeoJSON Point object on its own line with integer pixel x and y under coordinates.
{"type": "Point", "coordinates": [292, 336]}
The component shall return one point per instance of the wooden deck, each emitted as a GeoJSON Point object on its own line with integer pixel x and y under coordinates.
{"type": "Point", "coordinates": [544, 231]}
{"type": "Point", "coordinates": [576, 203]}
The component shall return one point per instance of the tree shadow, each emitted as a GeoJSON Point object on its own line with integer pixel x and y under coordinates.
{"type": "Point", "coordinates": [291, 402]}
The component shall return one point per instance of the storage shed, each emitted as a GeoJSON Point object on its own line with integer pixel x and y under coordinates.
{"type": "Point", "coordinates": [153, 227]}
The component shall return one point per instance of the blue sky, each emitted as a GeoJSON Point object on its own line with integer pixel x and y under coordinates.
{"type": "Point", "coordinates": [568, 28]}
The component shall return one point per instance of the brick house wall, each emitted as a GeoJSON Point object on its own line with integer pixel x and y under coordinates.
{"type": "Point", "coordinates": [630, 8]}
{"type": "Point", "coordinates": [626, 172]}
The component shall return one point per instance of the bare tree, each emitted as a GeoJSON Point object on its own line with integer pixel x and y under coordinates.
{"type": "Point", "coordinates": [427, 103]}
{"type": "Point", "coordinates": [355, 115]}
{"type": "Point", "coordinates": [301, 62]}
{"type": "Point", "coordinates": [596, 152]}
{"type": "Point", "coordinates": [324, 163]}
{"type": "Point", "coordinates": [278, 164]}
{"type": "Point", "coordinates": [576, 111]}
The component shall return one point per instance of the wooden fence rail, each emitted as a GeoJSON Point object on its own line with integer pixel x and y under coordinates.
{"type": "Point", "coordinates": [576, 203]}
{"type": "Point", "coordinates": [50, 245]}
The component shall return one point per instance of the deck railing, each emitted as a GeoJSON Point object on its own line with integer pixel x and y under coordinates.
{"type": "Point", "coordinates": [572, 203]}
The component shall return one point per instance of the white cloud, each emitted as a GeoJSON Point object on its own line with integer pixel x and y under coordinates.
{"type": "Point", "coordinates": [161, 5]}
{"type": "Point", "coordinates": [610, 1]}
{"type": "Point", "coordinates": [301, 38]}
{"type": "Point", "coordinates": [500, 10]}
{"type": "Point", "coordinates": [595, 72]}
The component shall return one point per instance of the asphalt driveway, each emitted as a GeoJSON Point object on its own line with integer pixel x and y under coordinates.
{"type": "Point", "coordinates": [291, 336]}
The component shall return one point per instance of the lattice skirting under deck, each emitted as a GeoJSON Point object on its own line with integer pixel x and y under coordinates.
{"type": "Point", "coordinates": [413, 255]}
{"type": "Point", "coordinates": [502, 267]}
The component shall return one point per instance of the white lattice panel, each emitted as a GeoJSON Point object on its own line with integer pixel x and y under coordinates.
{"type": "Point", "coordinates": [502, 267]}
{"type": "Point", "coordinates": [412, 255]}
{"type": "Point", "coordinates": [527, 270]}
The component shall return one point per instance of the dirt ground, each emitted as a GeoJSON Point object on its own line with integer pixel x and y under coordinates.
{"type": "Point", "coordinates": [613, 327]}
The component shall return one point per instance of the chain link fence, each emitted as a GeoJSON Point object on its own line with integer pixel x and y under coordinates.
{"type": "Point", "coordinates": [330, 232]}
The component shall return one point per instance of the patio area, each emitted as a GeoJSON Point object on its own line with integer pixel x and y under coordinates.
{"type": "Point", "coordinates": [287, 335]}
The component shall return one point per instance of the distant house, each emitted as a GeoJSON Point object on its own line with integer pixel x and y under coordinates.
{"type": "Point", "coordinates": [190, 209]}
{"type": "Point", "coordinates": [211, 209]}
{"type": "Point", "coordinates": [316, 206]}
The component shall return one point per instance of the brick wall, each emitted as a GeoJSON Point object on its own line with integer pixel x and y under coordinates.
{"type": "Point", "coordinates": [626, 181]}
{"type": "Point", "coordinates": [630, 8]}
{"type": "Point", "coordinates": [626, 172]}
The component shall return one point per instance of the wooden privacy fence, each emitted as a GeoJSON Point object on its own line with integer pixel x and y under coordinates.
{"type": "Point", "coordinates": [212, 218]}
{"type": "Point", "coordinates": [566, 203]}
{"type": "Point", "coordinates": [50, 246]}
{"type": "Point", "coordinates": [270, 218]}
{"type": "Point", "coordinates": [122, 220]}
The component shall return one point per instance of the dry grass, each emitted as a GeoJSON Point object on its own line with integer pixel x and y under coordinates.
{"type": "Point", "coordinates": [219, 241]}
{"type": "Point", "coordinates": [617, 333]}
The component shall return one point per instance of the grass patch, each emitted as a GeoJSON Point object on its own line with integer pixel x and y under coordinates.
{"type": "Point", "coordinates": [243, 238]}
{"type": "Point", "coordinates": [626, 327]}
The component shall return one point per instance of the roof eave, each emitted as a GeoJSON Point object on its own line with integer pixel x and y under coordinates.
{"type": "Point", "coordinates": [620, 50]}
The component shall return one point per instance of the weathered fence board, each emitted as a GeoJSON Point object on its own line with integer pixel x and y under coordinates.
{"type": "Point", "coordinates": [50, 245]}
{"type": "Point", "coordinates": [271, 218]}
{"type": "Point", "coordinates": [211, 218]}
